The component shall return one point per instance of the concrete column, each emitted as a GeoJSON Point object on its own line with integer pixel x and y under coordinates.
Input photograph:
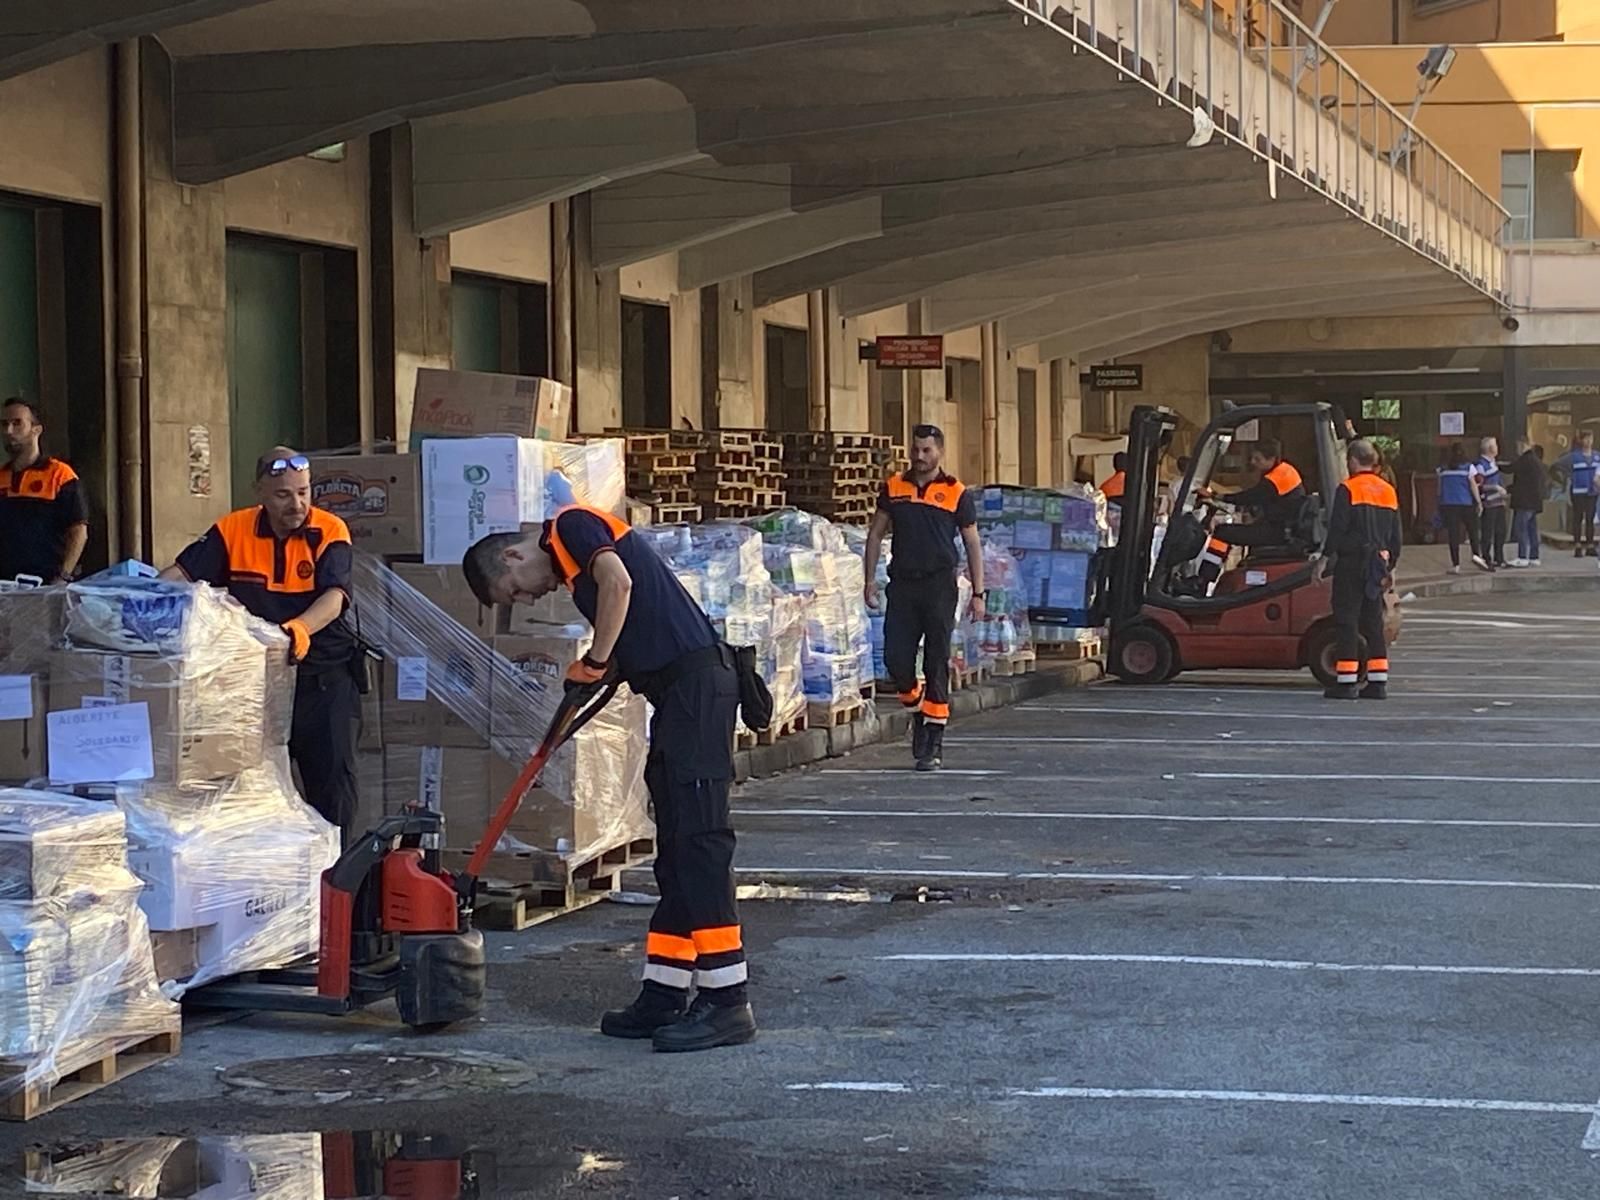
{"type": "Point", "coordinates": [596, 330]}
{"type": "Point", "coordinates": [563, 359]}
{"type": "Point", "coordinates": [849, 406]}
{"type": "Point", "coordinates": [1066, 418]}
{"type": "Point", "coordinates": [687, 385]}
{"type": "Point", "coordinates": [410, 289]}
{"type": "Point", "coordinates": [1514, 398]}
{"type": "Point", "coordinates": [818, 336]}
{"type": "Point", "coordinates": [1008, 416]}
{"type": "Point", "coordinates": [727, 356]}
{"type": "Point", "coordinates": [186, 334]}
{"type": "Point", "coordinates": [1179, 376]}
{"type": "Point", "coordinates": [990, 370]}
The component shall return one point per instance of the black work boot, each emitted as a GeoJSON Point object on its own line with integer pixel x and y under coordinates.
{"type": "Point", "coordinates": [1577, 551]}
{"type": "Point", "coordinates": [1375, 691]}
{"type": "Point", "coordinates": [706, 1026]}
{"type": "Point", "coordinates": [919, 737]}
{"type": "Point", "coordinates": [649, 1012]}
{"type": "Point", "coordinates": [932, 756]}
{"type": "Point", "coordinates": [1340, 691]}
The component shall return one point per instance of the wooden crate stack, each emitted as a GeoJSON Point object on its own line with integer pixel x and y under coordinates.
{"type": "Point", "coordinates": [836, 475]}
{"type": "Point", "coordinates": [662, 475]}
{"type": "Point", "coordinates": [725, 471]}
{"type": "Point", "coordinates": [771, 489]}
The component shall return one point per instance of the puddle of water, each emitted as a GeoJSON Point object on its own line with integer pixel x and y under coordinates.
{"type": "Point", "coordinates": [335, 1165]}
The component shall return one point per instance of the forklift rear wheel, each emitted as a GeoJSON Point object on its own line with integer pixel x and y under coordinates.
{"type": "Point", "coordinates": [1143, 654]}
{"type": "Point", "coordinates": [1322, 655]}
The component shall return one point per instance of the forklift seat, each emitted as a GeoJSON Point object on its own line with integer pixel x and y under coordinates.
{"type": "Point", "coordinates": [1302, 535]}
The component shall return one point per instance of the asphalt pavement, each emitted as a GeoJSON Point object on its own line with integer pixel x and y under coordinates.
{"type": "Point", "coordinates": [1220, 938]}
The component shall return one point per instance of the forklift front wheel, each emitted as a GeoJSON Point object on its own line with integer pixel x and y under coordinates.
{"type": "Point", "coordinates": [1143, 654]}
{"type": "Point", "coordinates": [1321, 654]}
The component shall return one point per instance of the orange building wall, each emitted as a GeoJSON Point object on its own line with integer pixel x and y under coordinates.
{"type": "Point", "coordinates": [1371, 22]}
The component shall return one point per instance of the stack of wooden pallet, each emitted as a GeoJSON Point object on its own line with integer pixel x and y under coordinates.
{"type": "Point", "coordinates": [725, 471]}
{"type": "Point", "coordinates": [890, 459]}
{"type": "Point", "coordinates": [836, 475]}
{"type": "Point", "coordinates": [663, 476]}
{"type": "Point", "coordinates": [771, 489]}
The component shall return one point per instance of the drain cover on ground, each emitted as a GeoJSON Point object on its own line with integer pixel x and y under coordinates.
{"type": "Point", "coordinates": [383, 1075]}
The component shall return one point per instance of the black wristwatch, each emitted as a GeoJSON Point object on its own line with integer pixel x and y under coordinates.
{"type": "Point", "coordinates": [593, 664]}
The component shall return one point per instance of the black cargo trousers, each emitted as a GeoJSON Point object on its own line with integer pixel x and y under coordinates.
{"type": "Point", "coordinates": [921, 612]}
{"type": "Point", "coordinates": [694, 937]}
{"type": "Point", "coordinates": [1358, 616]}
{"type": "Point", "coordinates": [322, 743]}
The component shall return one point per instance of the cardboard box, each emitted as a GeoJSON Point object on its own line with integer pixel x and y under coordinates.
{"type": "Point", "coordinates": [519, 712]}
{"type": "Point", "coordinates": [22, 738]}
{"type": "Point", "coordinates": [417, 698]}
{"type": "Point", "coordinates": [32, 626]}
{"type": "Point", "coordinates": [204, 724]}
{"type": "Point", "coordinates": [463, 404]}
{"type": "Point", "coordinates": [536, 619]}
{"type": "Point", "coordinates": [447, 779]}
{"type": "Point", "coordinates": [176, 953]}
{"type": "Point", "coordinates": [446, 587]}
{"type": "Point", "coordinates": [378, 495]}
{"type": "Point", "coordinates": [474, 487]}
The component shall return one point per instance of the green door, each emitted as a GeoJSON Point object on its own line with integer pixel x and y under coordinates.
{"type": "Point", "coordinates": [475, 325]}
{"type": "Point", "coordinates": [265, 404]}
{"type": "Point", "coordinates": [19, 305]}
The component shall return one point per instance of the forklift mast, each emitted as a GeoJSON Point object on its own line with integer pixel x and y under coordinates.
{"type": "Point", "coordinates": [1127, 570]}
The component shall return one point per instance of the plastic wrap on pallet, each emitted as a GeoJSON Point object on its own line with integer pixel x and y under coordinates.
{"type": "Point", "coordinates": [75, 957]}
{"type": "Point", "coordinates": [506, 694]}
{"type": "Point", "coordinates": [32, 627]}
{"type": "Point", "coordinates": [1005, 628]}
{"type": "Point", "coordinates": [262, 1166]}
{"type": "Point", "coordinates": [215, 683]}
{"type": "Point", "coordinates": [239, 860]}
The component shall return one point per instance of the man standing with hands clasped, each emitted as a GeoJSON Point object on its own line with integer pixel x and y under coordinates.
{"type": "Point", "coordinates": [927, 509]}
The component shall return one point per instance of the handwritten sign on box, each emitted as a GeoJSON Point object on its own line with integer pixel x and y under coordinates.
{"type": "Point", "coordinates": [105, 744]}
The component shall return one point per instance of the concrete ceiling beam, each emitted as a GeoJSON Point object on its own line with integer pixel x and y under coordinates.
{"type": "Point", "coordinates": [36, 33]}
{"type": "Point", "coordinates": [1397, 302]}
{"type": "Point", "coordinates": [238, 111]}
{"type": "Point", "coordinates": [780, 241]}
{"type": "Point", "coordinates": [917, 275]}
{"type": "Point", "coordinates": [670, 210]}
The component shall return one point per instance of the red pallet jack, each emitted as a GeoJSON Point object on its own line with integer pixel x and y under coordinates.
{"type": "Point", "coordinates": [394, 922]}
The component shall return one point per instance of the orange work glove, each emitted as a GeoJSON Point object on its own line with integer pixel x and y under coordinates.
{"type": "Point", "coordinates": [584, 671]}
{"type": "Point", "coordinates": [299, 640]}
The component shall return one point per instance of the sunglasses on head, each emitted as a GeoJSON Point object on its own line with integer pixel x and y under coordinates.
{"type": "Point", "coordinates": [278, 466]}
{"type": "Point", "coordinates": [927, 431]}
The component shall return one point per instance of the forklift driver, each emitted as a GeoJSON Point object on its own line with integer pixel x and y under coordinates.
{"type": "Point", "coordinates": [650, 632]}
{"type": "Point", "coordinates": [1278, 497]}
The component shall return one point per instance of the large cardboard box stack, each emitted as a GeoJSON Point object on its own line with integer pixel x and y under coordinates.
{"type": "Point", "coordinates": [75, 960]}
{"type": "Point", "coordinates": [32, 625]}
{"type": "Point", "coordinates": [379, 496]}
{"type": "Point", "coordinates": [169, 706]}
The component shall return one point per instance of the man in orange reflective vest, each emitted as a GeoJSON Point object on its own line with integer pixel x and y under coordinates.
{"type": "Point", "coordinates": [44, 520]}
{"type": "Point", "coordinates": [1362, 550]}
{"type": "Point", "coordinates": [1277, 496]}
{"type": "Point", "coordinates": [928, 510]}
{"type": "Point", "coordinates": [650, 632]}
{"type": "Point", "coordinates": [290, 563]}
{"type": "Point", "coordinates": [1117, 482]}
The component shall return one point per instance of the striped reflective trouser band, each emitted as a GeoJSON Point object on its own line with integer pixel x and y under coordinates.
{"type": "Point", "coordinates": [1216, 551]}
{"type": "Point", "coordinates": [936, 712]}
{"type": "Point", "coordinates": [1348, 670]}
{"type": "Point", "coordinates": [912, 698]}
{"type": "Point", "coordinates": [1378, 670]}
{"type": "Point", "coordinates": [708, 958]}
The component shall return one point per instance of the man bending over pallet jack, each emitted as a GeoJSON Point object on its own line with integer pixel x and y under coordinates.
{"type": "Point", "coordinates": [650, 633]}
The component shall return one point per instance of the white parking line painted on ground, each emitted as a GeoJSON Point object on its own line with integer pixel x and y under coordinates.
{"type": "Point", "coordinates": [1224, 1096]}
{"type": "Point", "coordinates": [1389, 717]}
{"type": "Point", "coordinates": [1267, 964]}
{"type": "Point", "coordinates": [1232, 741]}
{"type": "Point", "coordinates": [1570, 781]}
{"type": "Point", "coordinates": [1154, 818]}
{"type": "Point", "coordinates": [920, 872]}
{"type": "Point", "coordinates": [1591, 1140]}
{"type": "Point", "coordinates": [1401, 690]}
{"type": "Point", "coordinates": [1557, 618]}
{"type": "Point", "coordinates": [899, 771]}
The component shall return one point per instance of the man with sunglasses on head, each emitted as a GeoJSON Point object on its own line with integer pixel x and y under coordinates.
{"type": "Point", "coordinates": [290, 563]}
{"type": "Point", "coordinates": [927, 509]}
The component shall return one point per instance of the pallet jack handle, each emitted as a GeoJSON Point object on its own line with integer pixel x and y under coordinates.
{"type": "Point", "coordinates": [580, 704]}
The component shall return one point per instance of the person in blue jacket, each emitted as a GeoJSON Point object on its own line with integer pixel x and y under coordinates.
{"type": "Point", "coordinates": [1459, 505]}
{"type": "Point", "coordinates": [1581, 466]}
{"type": "Point", "coordinates": [1494, 495]}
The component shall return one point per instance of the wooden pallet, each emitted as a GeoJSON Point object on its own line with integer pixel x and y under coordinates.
{"type": "Point", "coordinates": [85, 1068]}
{"type": "Point", "coordinates": [676, 514]}
{"type": "Point", "coordinates": [1068, 651]}
{"type": "Point", "coordinates": [530, 888]}
{"type": "Point", "coordinates": [659, 496]}
{"type": "Point", "coordinates": [766, 501]}
{"type": "Point", "coordinates": [646, 443]}
{"type": "Point", "coordinates": [966, 677]}
{"type": "Point", "coordinates": [1023, 662]}
{"type": "Point", "coordinates": [798, 723]}
{"type": "Point", "coordinates": [712, 439]}
{"type": "Point", "coordinates": [830, 716]}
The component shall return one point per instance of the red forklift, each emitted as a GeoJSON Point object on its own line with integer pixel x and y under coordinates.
{"type": "Point", "coordinates": [1267, 612]}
